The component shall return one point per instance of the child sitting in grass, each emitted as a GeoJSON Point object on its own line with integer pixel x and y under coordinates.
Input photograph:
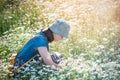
{"type": "Point", "coordinates": [38, 46]}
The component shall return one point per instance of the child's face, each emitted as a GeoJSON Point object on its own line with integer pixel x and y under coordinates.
{"type": "Point", "coordinates": [57, 37]}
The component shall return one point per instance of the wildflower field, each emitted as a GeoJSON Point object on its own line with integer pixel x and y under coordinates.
{"type": "Point", "coordinates": [92, 51]}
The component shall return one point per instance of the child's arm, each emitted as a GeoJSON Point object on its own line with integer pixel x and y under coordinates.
{"type": "Point", "coordinates": [46, 56]}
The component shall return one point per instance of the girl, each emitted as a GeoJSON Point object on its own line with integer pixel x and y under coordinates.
{"type": "Point", "coordinates": [38, 45]}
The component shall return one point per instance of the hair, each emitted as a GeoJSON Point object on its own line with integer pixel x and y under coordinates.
{"type": "Point", "coordinates": [49, 34]}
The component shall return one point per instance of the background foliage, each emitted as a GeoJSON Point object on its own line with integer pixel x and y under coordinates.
{"type": "Point", "coordinates": [92, 51]}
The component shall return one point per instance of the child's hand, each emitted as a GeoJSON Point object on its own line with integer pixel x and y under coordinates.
{"type": "Point", "coordinates": [56, 57]}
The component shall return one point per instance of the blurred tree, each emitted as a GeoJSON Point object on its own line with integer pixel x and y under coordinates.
{"type": "Point", "coordinates": [117, 14]}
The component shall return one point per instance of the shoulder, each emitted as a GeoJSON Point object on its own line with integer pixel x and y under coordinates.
{"type": "Point", "coordinates": [40, 41]}
{"type": "Point", "coordinates": [40, 36]}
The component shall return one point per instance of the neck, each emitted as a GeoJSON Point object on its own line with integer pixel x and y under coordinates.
{"type": "Point", "coordinates": [49, 34]}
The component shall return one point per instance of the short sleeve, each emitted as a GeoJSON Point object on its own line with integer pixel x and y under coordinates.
{"type": "Point", "coordinates": [39, 41]}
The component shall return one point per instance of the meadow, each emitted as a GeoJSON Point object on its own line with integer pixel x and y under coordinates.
{"type": "Point", "coordinates": [92, 51]}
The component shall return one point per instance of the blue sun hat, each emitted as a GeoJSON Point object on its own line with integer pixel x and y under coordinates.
{"type": "Point", "coordinates": [61, 28]}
